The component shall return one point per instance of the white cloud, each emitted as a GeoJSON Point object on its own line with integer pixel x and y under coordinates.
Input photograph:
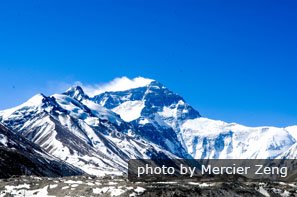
{"type": "Point", "coordinates": [118, 84]}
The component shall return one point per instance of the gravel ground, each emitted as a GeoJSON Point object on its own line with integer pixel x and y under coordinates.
{"type": "Point", "coordinates": [120, 186]}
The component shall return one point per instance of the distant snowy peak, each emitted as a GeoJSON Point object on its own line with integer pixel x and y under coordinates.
{"type": "Point", "coordinates": [155, 110]}
{"type": "Point", "coordinates": [76, 92]}
{"type": "Point", "coordinates": [206, 138]}
{"type": "Point", "coordinates": [38, 102]}
{"type": "Point", "coordinates": [153, 101]}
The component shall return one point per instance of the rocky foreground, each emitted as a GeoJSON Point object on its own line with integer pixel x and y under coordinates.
{"type": "Point", "coordinates": [119, 186]}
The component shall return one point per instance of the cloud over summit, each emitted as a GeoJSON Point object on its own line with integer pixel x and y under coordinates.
{"type": "Point", "coordinates": [118, 84]}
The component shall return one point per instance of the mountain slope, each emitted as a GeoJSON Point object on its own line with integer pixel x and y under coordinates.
{"type": "Point", "coordinates": [19, 156]}
{"type": "Point", "coordinates": [207, 138]}
{"type": "Point", "coordinates": [79, 132]}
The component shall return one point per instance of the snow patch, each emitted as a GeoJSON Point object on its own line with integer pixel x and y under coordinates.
{"type": "Point", "coordinates": [3, 140]}
{"type": "Point", "coordinates": [113, 191]}
{"type": "Point", "coordinates": [23, 190]}
{"type": "Point", "coordinates": [263, 192]}
{"type": "Point", "coordinates": [139, 190]}
{"type": "Point", "coordinates": [73, 182]}
{"type": "Point", "coordinates": [130, 110]}
{"type": "Point", "coordinates": [53, 186]}
{"type": "Point", "coordinates": [144, 121]}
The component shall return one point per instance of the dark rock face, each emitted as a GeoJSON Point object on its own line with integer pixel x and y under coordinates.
{"type": "Point", "coordinates": [76, 92]}
{"type": "Point", "coordinates": [19, 156]}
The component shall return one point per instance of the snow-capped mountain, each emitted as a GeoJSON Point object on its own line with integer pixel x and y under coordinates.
{"type": "Point", "coordinates": [79, 132]}
{"type": "Point", "coordinates": [207, 138]}
{"type": "Point", "coordinates": [101, 131]}
{"type": "Point", "coordinates": [156, 111]}
{"type": "Point", "coordinates": [19, 156]}
{"type": "Point", "coordinates": [153, 105]}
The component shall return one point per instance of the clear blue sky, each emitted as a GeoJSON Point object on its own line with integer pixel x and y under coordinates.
{"type": "Point", "coordinates": [232, 60]}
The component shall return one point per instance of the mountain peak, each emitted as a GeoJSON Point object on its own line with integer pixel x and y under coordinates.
{"type": "Point", "coordinates": [76, 92]}
{"type": "Point", "coordinates": [157, 85]}
{"type": "Point", "coordinates": [151, 100]}
{"type": "Point", "coordinates": [75, 88]}
{"type": "Point", "coordinates": [36, 99]}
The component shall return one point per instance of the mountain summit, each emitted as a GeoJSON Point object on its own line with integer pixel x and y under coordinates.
{"type": "Point", "coordinates": [76, 92]}
{"type": "Point", "coordinates": [153, 109]}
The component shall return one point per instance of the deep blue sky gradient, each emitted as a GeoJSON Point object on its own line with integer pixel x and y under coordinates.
{"type": "Point", "coordinates": [232, 60]}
